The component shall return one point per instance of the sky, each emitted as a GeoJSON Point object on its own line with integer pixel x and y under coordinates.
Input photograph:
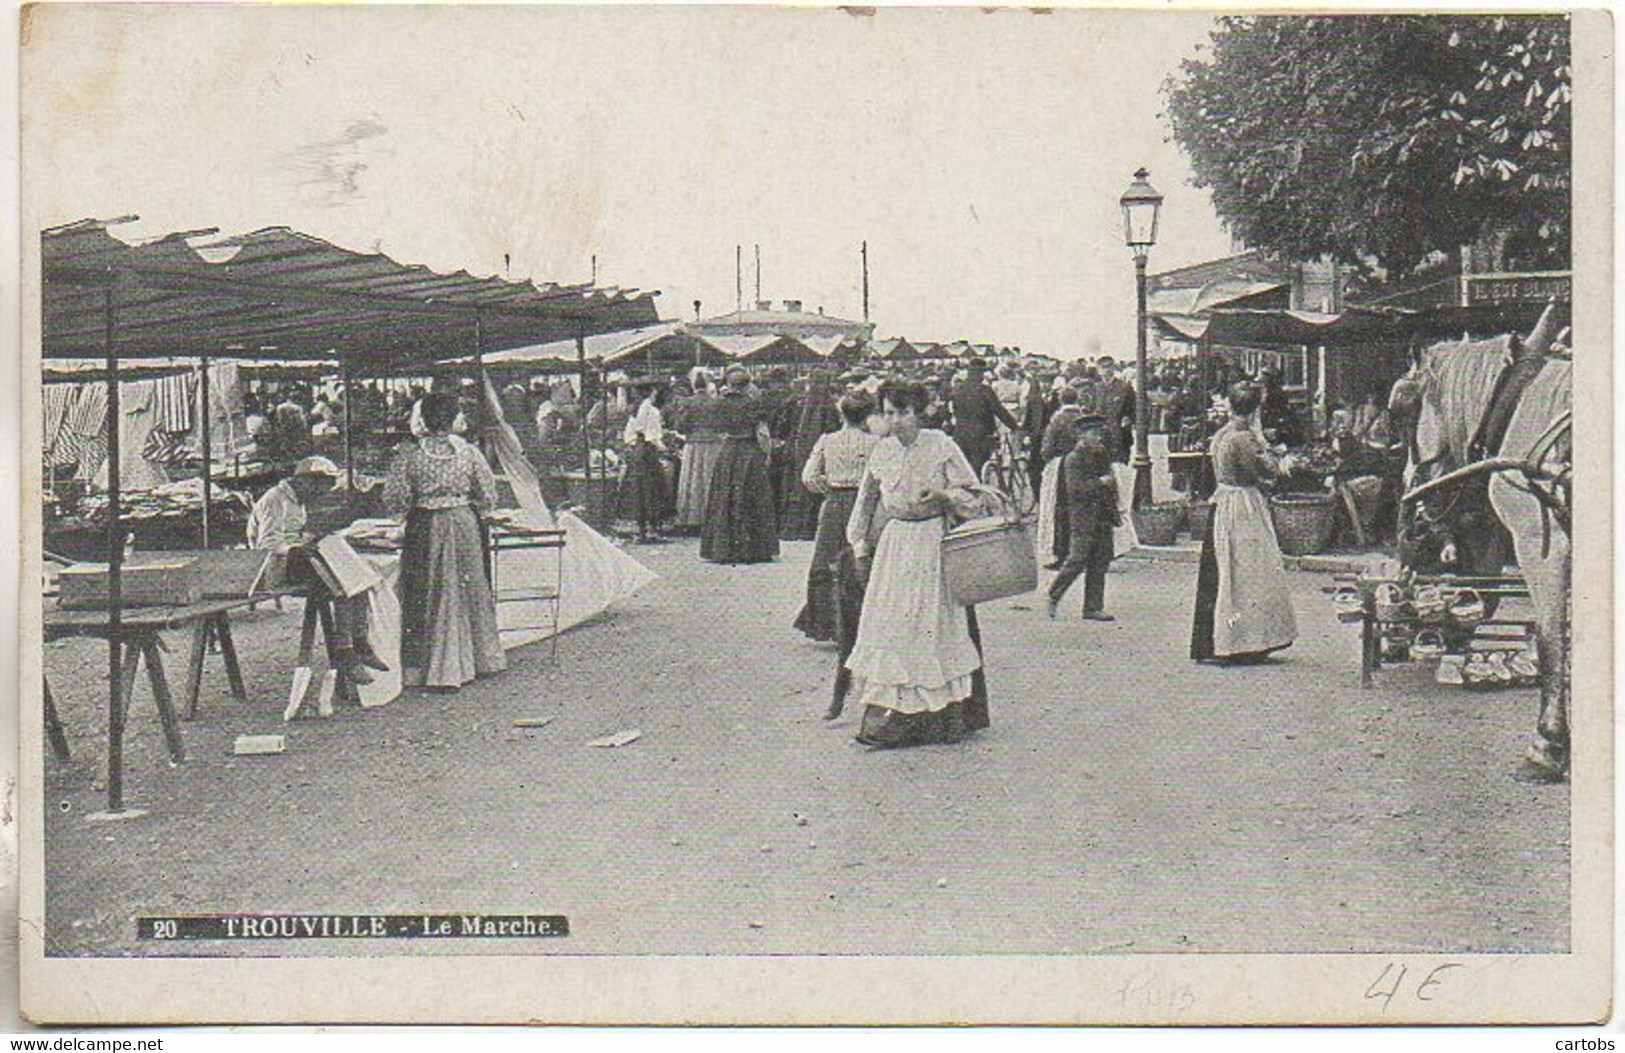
{"type": "Point", "coordinates": [981, 155]}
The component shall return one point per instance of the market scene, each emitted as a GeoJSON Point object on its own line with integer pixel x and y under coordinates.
{"type": "Point", "coordinates": [1233, 617]}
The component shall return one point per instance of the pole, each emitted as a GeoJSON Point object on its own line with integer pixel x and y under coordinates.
{"type": "Point", "coordinates": [586, 433]}
{"type": "Point", "coordinates": [1142, 452]}
{"type": "Point", "coordinates": [739, 278]}
{"type": "Point", "coordinates": [208, 446]}
{"type": "Point", "coordinates": [866, 281]}
{"type": "Point", "coordinates": [758, 274]}
{"type": "Point", "coordinates": [349, 441]}
{"type": "Point", "coordinates": [115, 570]}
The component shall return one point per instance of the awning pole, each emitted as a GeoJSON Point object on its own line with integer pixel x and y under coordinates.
{"type": "Point", "coordinates": [349, 445]}
{"type": "Point", "coordinates": [208, 445]}
{"type": "Point", "coordinates": [586, 432]}
{"type": "Point", "coordinates": [115, 567]}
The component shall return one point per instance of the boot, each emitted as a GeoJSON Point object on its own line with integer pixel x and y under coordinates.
{"type": "Point", "coordinates": [344, 657]}
{"type": "Point", "coordinates": [365, 655]}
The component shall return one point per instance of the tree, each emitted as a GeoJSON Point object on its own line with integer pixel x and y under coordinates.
{"type": "Point", "coordinates": [1385, 136]}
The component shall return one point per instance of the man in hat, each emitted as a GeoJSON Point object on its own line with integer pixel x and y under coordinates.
{"type": "Point", "coordinates": [977, 414]}
{"type": "Point", "coordinates": [278, 524]}
{"type": "Point", "coordinates": [1091, 497]}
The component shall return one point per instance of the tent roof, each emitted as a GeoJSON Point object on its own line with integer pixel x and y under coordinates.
{"type": "Point", "coordinates": [277, 293]}
{"type": "Point", "coordinates": [785, 350]}
{"type": "Point", "coordinates": [597, 346]}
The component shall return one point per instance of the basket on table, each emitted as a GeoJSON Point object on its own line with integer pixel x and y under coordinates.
{"type": "Point", "coordinates": [1303, 522]}
{"type": "Point", "coordinates": [1159, 524]}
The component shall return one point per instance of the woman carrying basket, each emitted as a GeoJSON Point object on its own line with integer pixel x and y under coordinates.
{"type": "Point", "coordinates": [917, 664]}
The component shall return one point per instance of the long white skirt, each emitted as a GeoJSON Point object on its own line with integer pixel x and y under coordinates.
{"type": "Point", "coordinates": [913, 653]}
{"type": "Point", "coordinates": [1047, 496]}
{"type": "Point", "coordinates": [1253, 611]}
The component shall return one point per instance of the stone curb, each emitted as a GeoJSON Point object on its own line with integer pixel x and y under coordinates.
{"type": "Point", "coordinates": [1332, 564]}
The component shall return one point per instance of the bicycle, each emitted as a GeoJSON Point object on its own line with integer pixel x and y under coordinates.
{"type": "Point", "coordinates": [1007, 470]}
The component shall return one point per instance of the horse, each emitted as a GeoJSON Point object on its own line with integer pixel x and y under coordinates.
{"type": "Point", "coordinates": [1447, 395]}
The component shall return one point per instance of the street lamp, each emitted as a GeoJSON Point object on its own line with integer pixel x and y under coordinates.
{"type": "Point", "coordinates": [1141, 206]}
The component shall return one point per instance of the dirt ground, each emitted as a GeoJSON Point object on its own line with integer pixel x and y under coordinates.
{"type": "Point", "coordinates": [1125, 799]}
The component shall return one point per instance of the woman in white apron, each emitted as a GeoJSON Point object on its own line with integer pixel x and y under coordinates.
{"type": "Point", "coordinates": [1243, 605]}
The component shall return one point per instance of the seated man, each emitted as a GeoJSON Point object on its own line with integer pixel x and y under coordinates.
{"type": "Point", "coordinates": [277, 524]}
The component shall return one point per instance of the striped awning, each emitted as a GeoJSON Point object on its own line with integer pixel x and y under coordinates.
{"type": "Point", "coordinates": [280, 294]}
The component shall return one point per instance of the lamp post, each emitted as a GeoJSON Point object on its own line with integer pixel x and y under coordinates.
{"type": "Point", "coordinates": [1141, 205]}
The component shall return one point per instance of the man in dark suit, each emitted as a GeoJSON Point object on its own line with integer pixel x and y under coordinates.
{"type": "Point", "coordinates": [1091, 497]}
{"type": "Point", "coordinates": [977, 416]}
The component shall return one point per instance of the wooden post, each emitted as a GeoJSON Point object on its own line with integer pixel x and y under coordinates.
{"type": "Point", "coordinates": [349, 442]}
{"type": "Point", "coordinates": [581, 375]}
{"type": "Point", "coordinates": [208, 444]}
{"type": "Point", "coordinates": [115, 564]}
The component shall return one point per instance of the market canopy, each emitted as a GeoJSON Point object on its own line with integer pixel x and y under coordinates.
{"type": "Point", "coordinates": [280, 294]}
{"type": "Point", "coordinates": [783, 351]}
{"type": "Point", "coordinates": [674, 350]}
{"type": "Point", "coordinates": [1356, 325]}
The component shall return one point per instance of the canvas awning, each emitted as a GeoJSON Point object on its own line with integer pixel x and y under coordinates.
{"type": "Point", "coordinates": [277, 293]}
{"type": "Point", "coordinates": [1355, 326]}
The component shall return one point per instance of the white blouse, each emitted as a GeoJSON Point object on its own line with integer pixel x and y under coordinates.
{"type": "Point", "coordinates": [646, 424]}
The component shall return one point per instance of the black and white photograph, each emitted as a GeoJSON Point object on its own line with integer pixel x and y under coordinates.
{"type": "Point", "coordinates": [855, 515]}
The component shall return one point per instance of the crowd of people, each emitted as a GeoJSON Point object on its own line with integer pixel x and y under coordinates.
{"type": "Point", "coordinates": [874, 469]}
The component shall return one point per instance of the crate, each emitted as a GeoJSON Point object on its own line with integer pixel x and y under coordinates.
{"type": "Point", "coordinates": [147, 583]}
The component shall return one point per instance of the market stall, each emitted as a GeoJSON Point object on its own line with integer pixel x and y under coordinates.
{"type": "Point", "coordinates": [271, 294]}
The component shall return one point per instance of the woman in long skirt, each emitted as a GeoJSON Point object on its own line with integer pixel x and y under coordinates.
{"type": "Point", "coordinates": [1243, 604]}
{"type": "Point", "coordinates": [916, 664]}
{"type": "Point", "coordinates": [740, 523]}
{"type": "Point", "coordinates": [810, 417]}
{"type": "Point", "coordinates": [448, 613]}
{"type": "Point", "coordinates": [645, 497]}
{"type": "Point", "coordinates": [702, 446]}
{"type": "Point", "coordinates": [834, 469]}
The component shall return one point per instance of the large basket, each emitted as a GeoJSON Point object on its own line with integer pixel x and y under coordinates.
{"type": "Point", "coordinates": [1304, 522]}
{"type": "Point", "coordinates": [1159, 524]}
{"type": "Point", "coordinates": [1196, 522]}
{"type": "Point", "coordinates": [988, 559]}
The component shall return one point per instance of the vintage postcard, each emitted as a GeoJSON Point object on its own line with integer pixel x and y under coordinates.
{"type": "Point", "coordinates": [809, 516]}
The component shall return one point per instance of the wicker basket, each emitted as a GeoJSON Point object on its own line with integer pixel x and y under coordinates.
{"type": "Point", "coordinates": [1197, 520]}
{"type": "Point", "coordinates": [1159, 524]}
{"type": "Point", "coordinates": [1304, 522]}
{"type": "Point", "coordinates": [988, 559]}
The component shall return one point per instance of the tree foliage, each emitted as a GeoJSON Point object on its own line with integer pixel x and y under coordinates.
{"type": "Point", "coordinates": [1385, 136]}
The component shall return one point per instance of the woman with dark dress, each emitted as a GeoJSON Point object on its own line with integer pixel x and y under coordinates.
{"type": "Point", "coordinates": [1243, 605]}
{"type": "Point", "coordinates": [645, 496]}
{"type": "Point", "coordinates": [833, 468]}
{"type": "Point", "coordinates": [740, 524]}
{"type": "Point", "coordinates": [809, 415]}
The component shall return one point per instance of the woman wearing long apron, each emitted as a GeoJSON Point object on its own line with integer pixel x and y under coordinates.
{"type": "Point", "coordinates": [916, 665]}
{"type": "Point", "coordinates": [833, 469]}
{"type": "Point", "coordinates": [1243, 605]}
{"type": "Point", "coordinates": [702, 448]}
{"type": "Point", "coordinates": [448, 614]}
